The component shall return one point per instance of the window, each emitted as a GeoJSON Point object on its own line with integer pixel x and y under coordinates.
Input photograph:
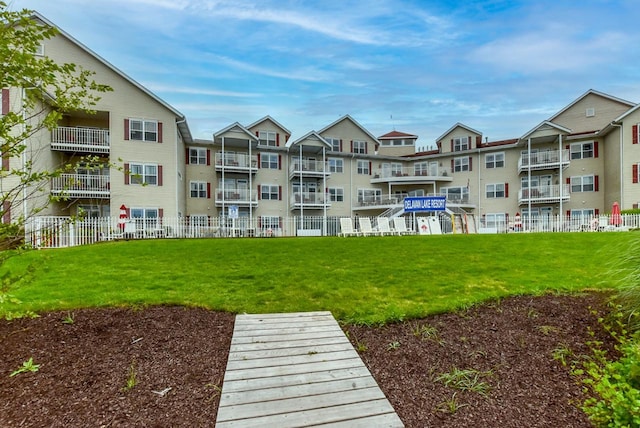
{"type": "Point", "coordinates": [421, 168]}
{"type": "Point", "coordinates": [269, 192]}
{"type": "Point", "coordinates": [198, 189]}
{"type": "Point", "coordinates": [94, 211]}
{"type": "Point", "coordinates": [197, 156]}
{"type": "Point", "coordinates": [585, 183]}
{"type": "Point", "coordinates": [145, 217]}
{"type": "Point", "coordinates": [497, 190]}
{"type": "Point", "coordinates": [460, 144]}
{"type": "Point", "coordinates": [495, 220]}
{"type": "Point", "coordinates": [335, 144]}
{"type": "Point", "coordinates": [359, 147]}
{"type": "Point", "coordinates": [267, 138]}
{"type": "Point", "coordinates": [456, 194]}
{"type": "Point", "coordinates": [461, 164]}
{"type": "Point", "coordinates": [369, 196]}
{"type": "Point", "coordinates": [582, 150]}
{"type": "Point", "coordinates": [336, 194]}
{"type": "Point", "coordinates": [269, 161]}
{"type": "Point", "coordinates": [269, 222]}
{"type": "Point", "coordinates": [494, 160]}
{"type": "Point", "coordinates": [142, 173]}
{"type": "Point", "coordinates": [336, 165]}
{"type": "Point", "coordinates": [363, 167]}
{"type": "Point", "coordinates": [143, 130]}
{"type": "Point", "coordinates": [588, 213]}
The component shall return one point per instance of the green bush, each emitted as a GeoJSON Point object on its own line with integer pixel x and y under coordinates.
{"type": "Point", "coordinates": [613, 386]}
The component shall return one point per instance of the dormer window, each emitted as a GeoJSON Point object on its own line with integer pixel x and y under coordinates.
{"type": "Point", "coordinates": [460, 144]}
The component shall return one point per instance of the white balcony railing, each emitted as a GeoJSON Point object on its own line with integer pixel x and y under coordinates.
{"type": "Point", "coordinates": [235, 196]}
{"type": "Point", "coordinates": [66, 138]}
{"type": "Point", "coordinates": [550, 159]}
{"type": "Point", "coordinates": [550, 193]}
{"type": "Point", "coordinates": [308, 198]}
{"type": "Point", "coordinates": [81, 185]}
{"type": "Point", "coordinates": [307, 166]}
{"type": "Point", "coordinates": [236, 161]}
{"type": "Point", "coordinates": [411, 172]}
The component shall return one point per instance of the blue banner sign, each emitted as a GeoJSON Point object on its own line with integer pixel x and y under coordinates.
{"type": "Point", "coordinates": [428, 203]}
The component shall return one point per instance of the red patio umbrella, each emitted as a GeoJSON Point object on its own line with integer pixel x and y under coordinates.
{"type": "Point", "coordinates": [123, 217]}
{"type": "Point", "coordinates": [616, 218]}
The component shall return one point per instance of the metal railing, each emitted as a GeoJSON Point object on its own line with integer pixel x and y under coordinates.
{"type": "Point", "coordinates": [543, 160]}
{"type": "Point", "coordinates": [235, 195]}
{"type": "Point", "coordinates": [81, 185]}
{"type": "Point", "coordinates": [309, 198]}
{"type": "Point", "coordinates": [412, 171]}
{"type": "Point", "coordinates": [544, 193]}
{"type": "Point", "coordinates": [89, 140]}
{"type": "Point", "coordinates": [236, 160]}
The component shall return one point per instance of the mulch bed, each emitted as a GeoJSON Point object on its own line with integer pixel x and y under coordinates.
{"type": "Point", "coordinates": [85, 365]}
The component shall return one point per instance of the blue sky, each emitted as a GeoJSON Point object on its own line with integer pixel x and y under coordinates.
{"type": "Point", "coordinates": [500, 67]}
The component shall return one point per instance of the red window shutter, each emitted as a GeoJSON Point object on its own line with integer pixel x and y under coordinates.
{"type": "Point", "coordinates": [567, 147]}
{"type": "Point", "coordinates": [478, 140]}
{"type": "Point", "coordinates": [452, 144]}
{"type": "Point", "coordinates": [635, 173]}
{"type": "Point", "coordinates": [186, 155]}
{"type": "Point", "coordinates": [635, 206]}
{"type": "Point", "coordinates": [596, 183]}
{"type": "Point", "coordinates": [126, 129]}
{"type": "Point", "coordinates": [506, 217]}
{"type": "Point", "coordinates": [208, 157]}
{"type": "Point", "coordinates": [279, 193]}
{"type": "Point", "coordinates": [5, 101]}
{"type": "Point", "coordinates": [340, 144]}
{"type": "Point", "coordinates": [259, 192]}
{"type": "Point", "coordinates": [470, 163]}
{"type": "Point", "coordinates": [159, 132]}
{"type": "Point", "coordinates": [5, 162]}
{"type": "Point", "coordinates": [258, 160]}
{"type": "Point", "coordinates": [279, 161]}
{"type": "Point", "coordinates": [260, 222]}
{"type": "Point", "coordinates": [277, 139]}
{"type": "Point", "coordinates": [128, 210]}
{"type": "Point", "coordinates": [452, 166]}
{"type": "Point", "coordinates": [280, 222]}
{"type": "Point", "coordinates": [595, 149]}
{"type": "Point", "coordinates": [596, 211]}
{"type": "Point", "coordinates": [257, 133]}
{"type": "Point", "coordinates": [369, 167]}
{"type": "Point", "coordinates": [506, 190]}
{"type": "Point", "coordinates": [351, 146]}
{"type": "Point", "coordinates": [159, 175]}
{"type": "Point", "coordinates": [568, 213]}
{"type": "Point", "coordinates": [6, 211]}
{"type": "Point", "coordinates": [208, 190]}
{"type": "Point", "coordinates": [469, 141]}
{"type": "Point", "coordinates": [634, 132]}
{"type": "Point", "coordinates": [366, 147]}
{"type": "Point", "coordinates": [126, 173]}
{"type": "Point", "coordinates": [568, 180]}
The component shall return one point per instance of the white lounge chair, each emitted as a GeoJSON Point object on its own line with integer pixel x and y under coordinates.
{"type": "Point", "coordinates": [383, 226]}
{"type": "Point", "coordinates": [346, 227]}
{"type": "Point", "coordinates": [401, 227]}
{"type": "Point", "coordinates": [365, 227]}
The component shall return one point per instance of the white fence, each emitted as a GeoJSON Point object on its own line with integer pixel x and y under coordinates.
{"type": "Point", "coordinates": [60, 232]}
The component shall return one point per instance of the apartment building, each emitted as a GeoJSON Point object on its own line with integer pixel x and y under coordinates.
{"type": "Point", "coordinates": [134, 131]}
{"type": "Point", "coordinates": [576, 163]}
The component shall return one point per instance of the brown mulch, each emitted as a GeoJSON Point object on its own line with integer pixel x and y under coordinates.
{"type": "Point", "coordinates": [85, 365]}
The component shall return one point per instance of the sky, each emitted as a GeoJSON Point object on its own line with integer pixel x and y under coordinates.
{"type": "Point", "coordinates": [499, 67]}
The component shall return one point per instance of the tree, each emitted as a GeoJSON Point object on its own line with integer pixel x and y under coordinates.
{"type": "Point", "coordinates": [46, 91]}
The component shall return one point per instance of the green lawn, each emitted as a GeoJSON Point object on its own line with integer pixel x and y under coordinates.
{"type": "Point", "coordinates": [362, 280]}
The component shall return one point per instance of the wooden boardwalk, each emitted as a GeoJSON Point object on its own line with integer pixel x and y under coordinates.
{"type": "Point", "coordinates": [298, 370]}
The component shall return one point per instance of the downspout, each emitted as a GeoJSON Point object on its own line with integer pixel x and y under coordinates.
{"type": "Point", "coordinates": [619, 125]}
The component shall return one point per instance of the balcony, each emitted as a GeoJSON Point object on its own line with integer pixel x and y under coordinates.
{"type": "Point", "coordinates": [308, 168]}
{"type": "Point", "coordinates": [82, 140]}
{"type": "Point", "coordinates": [373, 202]}
{"type": "Point", "coordinates": [237, 163]}
{"type": "Point", "coordinates": [544, 194]}
{"type": "Point", "coordinates": [552, 159]}
{"type": "Point", "coordinates": [309, 200]}
{"type": "Point", "coordinates": [81, 186]}
{"type": "Point", "coordinates": [411, 175]}
{"type": "Point", "coordinates": [240, 197]}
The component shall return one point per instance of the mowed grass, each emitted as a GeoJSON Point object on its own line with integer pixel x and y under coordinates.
{"type": "Point", "coordinates": [360, 280]}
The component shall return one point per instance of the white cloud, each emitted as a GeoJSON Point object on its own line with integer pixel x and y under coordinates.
{"type": "Point", "coordinates": [163, 87]}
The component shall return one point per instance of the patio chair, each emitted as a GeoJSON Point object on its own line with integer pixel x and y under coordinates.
{"type": "Point", "coordinates": [366, 229]}
{"type": "Point", "coordinates": [346, 227]}
{"type": "Point", "coordinates": [383, 226]}
{"type": "Point", "coordinates": [401, 227]}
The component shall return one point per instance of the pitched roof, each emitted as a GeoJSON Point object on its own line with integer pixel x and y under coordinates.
{"type": "Point", "coordinates": [546, 123]}
{"type": "Point", "coordinates": [591, 92]}
{"type": "Point", "coordinates": [235, 125]}
{"type": "Point", "coordinates": [307, 136]}
{"type": "Point", "coordinates": [183, 127]}
{"type": "Point", "coordinates": [348, 117]}
{"type": "Point", "coordinates": [458, 125]}
{"type": "Point", "coordinates": [396, 134]}
{"type": "Point", "coordinates": [267, 117]}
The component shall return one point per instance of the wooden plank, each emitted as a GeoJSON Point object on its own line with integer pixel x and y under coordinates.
{"type": "Point", "coordinates": [290, 360]}
{"type": "Point", "coordinates": [291, 346]}
{"type": "Point", "coordinates": [242, 317]}
{"type": "Point", "coordinates": [294, 379]}
{"type": "Point", "coordinates": [346, 412]}
{"type": "Point", "coordinates": [259, 332]}
{"type": "Point", "coordinates": [295, 391]}
{"type": "Point", "coordinates": [298, 404]}
{"type": "Point", "coordinates": [250, 354]}
{"type": "Point", "coordinates": [277, 326]}
{"type": "Point", "coordinates": [281, 338]}
{"type": "Point", "coordinates": [260, 372]}
{"type": "Point", "coordinates": [385, 420]}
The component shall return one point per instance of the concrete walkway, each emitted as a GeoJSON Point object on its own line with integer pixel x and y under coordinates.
{"type": "Point", "coordinates": [298, 370]}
